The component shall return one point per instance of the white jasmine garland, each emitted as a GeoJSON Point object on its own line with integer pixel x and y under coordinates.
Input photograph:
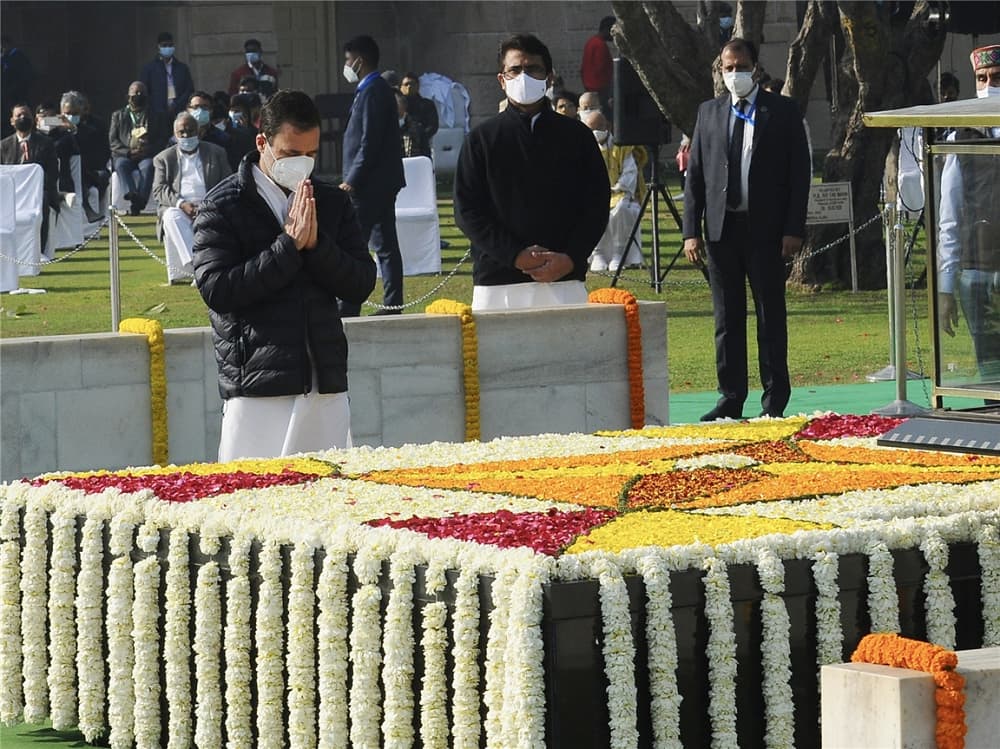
{"type": "Point", "coordinates": [148, 536]}
{"type": "Point", "coordinates": [465, 654]}
{"type": "Point", "coordinates": [177, 640]}
{"type": "Point", "coordinates": [270, 679]}
{"type": "Point", "coordinates": [776, 660]}
{"type": "Point", "coordinates": [89, 630]}
{"type": "Point", "coordinates": [619, 653]}
{"type": "Point", "coordinates": [207, 646]}
{"type": "Point", "coordinates": [989, 565]}
{"type": "Point", "coordinates": [829, 632]}
{"type": "Point", "coordinates": [301, 650]}
{"type": "Point", "coordinates": [434, 640]}
{"type": "Point", "coordinates": [940, 602]}
{"type": "Point", "coordinates": [332, 644]}
{"type": "Point", "coordinates": [496, 651]}
{"type": "Point", "coordinates": [145, 639]}
{"type": "Point", "coordinates": [883, 602]}
{"type": "Point", "coordinates": [365, 651]}
{"type": "Point", "coordinates": [237, 643]}
{"type": "Point", "coordinates": [714, 460]}
{"type": "Point", "coordinates": [721, 651]}
{"type": "Point", "coordinates": [397, 647]}
{"type": "Point", "coordinates": [121, 655]}
{"type": "Point", "coordinates": [34, 619]}
{"type": "Point", "coordinates": [11, 694]}
{"type": "Point", "coordinates": [661, 643]}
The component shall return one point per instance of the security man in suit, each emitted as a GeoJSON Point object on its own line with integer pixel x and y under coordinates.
{"type": "Point", "coordinates": [27, 146]}
{"type": "Point", "coordinates": [748, 181]}
{"type": "Point", "coordinates": [373, 167]}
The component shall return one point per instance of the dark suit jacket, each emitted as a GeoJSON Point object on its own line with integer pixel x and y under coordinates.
{"type": "Point", "coordinates": [120, 133]}
{"type": "Point", "coordinates": [40, 151]}
{"type": "Point", "coordinates": [154, 75]}
{"type": "Point", "coordinates": [778, 192]}
{"type": "Point", "coordinates": [167, 175]}
{"type": "Point", "coordinates": [373, 159]}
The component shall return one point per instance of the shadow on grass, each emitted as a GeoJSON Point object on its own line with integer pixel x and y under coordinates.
{"type": "Point", "coordinates": [14, 738]}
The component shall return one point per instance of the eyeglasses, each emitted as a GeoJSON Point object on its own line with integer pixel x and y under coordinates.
{"type": "Point", "coordinates": [535, 71]}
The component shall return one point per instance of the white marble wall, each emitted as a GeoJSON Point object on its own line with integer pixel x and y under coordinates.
{"type": "Point", "coordinates": [80, 402]}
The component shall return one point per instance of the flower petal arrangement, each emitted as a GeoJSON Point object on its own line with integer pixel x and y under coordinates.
{"type": "Point", "coordinates": [345, 576]}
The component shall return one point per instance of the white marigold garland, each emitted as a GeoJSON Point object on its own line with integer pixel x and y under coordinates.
{"type": "Point", "coordinates": [239, 732]}
{"type": "Point", "coordinates": [397, 668]}
{"type": "Point", "coordinates": [496, 651]}
{"type": "Point", "coordinates": [121, 655]}
{"type": "Point", "coordinates": [270, 679]}
{"type": "Point", "coordinates": [619, 653]}
{"type": "Point", "coordinates": [332, 642]}
{"type": "Point", "coordinates": [883, 601]}
{"type": "Point", "coordinates": [302, 650]}
{"type": "Point", "coordinates": [34, 620]}
{"type": "Point", "coordinates": [523, 719]}
{"type": "Point", "coordinates": [465, 653]}
{"type": "Point", "coordinates": [365, 651]}
{"type": "Point", "coordinates": [776, 660]}
{"type": "Point", "coordinates": [434, 639]}
{"type": "Point", "coordinates": [89, 630]}
{"type": "Point", "coordinates": [207, 647]}
{"type": "Point", "coordinates": [11, 694]}
{"type": "Point", "coordinates": [989, 565]}
{"type": "Point", "coordinates": [177, 640]}
{"type": "Point", "coordinates": [145, 639]}
{"type": "Point", "coordinates": [661, 642]}
{"type": "Point", "coordinates": [62, 622]}
{"type": "Point", "coordinates": [721, 650]}
{"type": "Point", "coordinates": [940, 602]}
{"type": "Point", "coordinates": [829, 632]}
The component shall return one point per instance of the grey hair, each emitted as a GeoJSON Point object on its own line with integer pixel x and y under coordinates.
{"type": "Point", "coordinates": [185, 116]}
{"type": "Point", "coordinates": [74, 98]}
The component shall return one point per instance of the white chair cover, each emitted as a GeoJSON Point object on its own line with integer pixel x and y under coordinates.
{"type": "Point", "coordinates": [29, 186]}
{"type": "Point", "coordinates": [417, 218]}
{"type": "Point", "coordinates": [66, 227]}
{"type": "Point", "coordinates": [445, 147]}
{"type": "Point", "coordinates": [9, 278]}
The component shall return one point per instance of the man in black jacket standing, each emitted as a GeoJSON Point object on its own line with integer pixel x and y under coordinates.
{"type": "Point", "coordinates": [748, 179]}
{"type": "Point", "coordinates": [531, 192]}
{"type": "Point", "coordinates": [274, 250]}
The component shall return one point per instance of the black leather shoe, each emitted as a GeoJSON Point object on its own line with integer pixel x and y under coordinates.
{"type": "Point", "coordinates": [772, 414]}
{"type": "Point", "coordinates": [723, 411]}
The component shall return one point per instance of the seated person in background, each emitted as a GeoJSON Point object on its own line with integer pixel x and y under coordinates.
{"type": "Point", "coordinates": [565, 103]}
{"type": "Point", "coordinates": [62, 132]}
{"type": "Point", "coordinates": [392, 78]}
{"type": "Point", "coordinates": [624, 165]}
{"type": "Point", "coordinates": [412, 135]}
{"type": "Point", "coordinates": [136, 135]}
{"type": "Point", "coordinates": [92, 139]}
{"type": "Point", "coordinates": [590, 101]}
{"type": "Point", "coordinates": [242, 134]}
{"type": "Point", "coordinates": [184, 173]}
{"type": "Point", "coordinates": [420, 111]}
{"type": "Point", "coordinates": [774, 85]}
{"type": "Point", "coordinates": [199, 106]}
{"type": "Point", "coordinates": [266, 76]}
{"type": "Point", "coordinates": [27, 146]}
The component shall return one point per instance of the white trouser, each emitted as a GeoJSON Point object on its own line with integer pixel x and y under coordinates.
{"type": "Point", "coordinates": [178, 241]}
{"type": "Point", "coordinates": [284, 425]}
{"type": "Point", "coordinates": [527, 295]}
{"type": "Point", "coordinates": [608, 252]}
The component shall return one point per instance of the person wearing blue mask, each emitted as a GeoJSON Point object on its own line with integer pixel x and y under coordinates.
{"type": "Point", "coordinates": [275, 247]}
{"type": "Point", "coordinates": [182, 175]}
{"type": "Point", "coordinates": [199, 106]}
{"type": "Point", "coordinates": [267, 77]}
{"type": "Point", "coordinates": [167, 79]}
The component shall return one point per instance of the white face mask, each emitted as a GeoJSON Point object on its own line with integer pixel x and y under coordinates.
{"type": "Point", "coordinates": [585, 112]}
{"type": "Point", "coordinates": [350, 74]}
{"type": "Point", "coordinates": [525, 90]}
{"type": "Point", "coordinates": [739, 82]}
{"type": "Point", "coordinates": [291, 170]}
{"type": "Point", "coordinates": [601, 135]}
{"type": "Point", "coordinates": [984, 93]}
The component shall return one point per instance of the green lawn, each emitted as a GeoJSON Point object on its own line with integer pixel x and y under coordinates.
{"type": "Point", "coordinates": [834, 336]}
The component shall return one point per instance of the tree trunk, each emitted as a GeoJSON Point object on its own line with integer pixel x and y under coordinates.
{"type": "Point", "coordinates": [809, 50]}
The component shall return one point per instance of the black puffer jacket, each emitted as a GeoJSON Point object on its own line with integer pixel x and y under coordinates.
{"type": "Point", "coordinates": [272, 306]}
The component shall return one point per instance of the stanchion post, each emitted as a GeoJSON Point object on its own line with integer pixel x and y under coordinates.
{"type": "Point", "coordinates": [116, 300]}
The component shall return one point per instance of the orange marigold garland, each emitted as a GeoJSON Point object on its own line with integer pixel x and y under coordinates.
{"type": "Point", "coordinates": [901, 652]}
{"type": "Point", "coordinates": [470, 360]}
{"type": "Point", "coordinates": [633, 332]}
{"type": "Point", "coordinates": [157, 381]}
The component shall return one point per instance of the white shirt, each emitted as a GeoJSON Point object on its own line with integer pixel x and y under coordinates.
{"type": "Point", "coordinates": [750, 111]}
{"type": "Point", "coordinates": [949, 244]}
{"type": "Point", "coordinates": [277, 200]}
{"type": "Point", "coordinates": [192, 177]}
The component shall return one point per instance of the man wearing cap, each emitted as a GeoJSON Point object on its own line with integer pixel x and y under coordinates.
{"type": "Point", "coordinates": [167, 79]}
{"type": "Point", "coordinates": [969, 231]}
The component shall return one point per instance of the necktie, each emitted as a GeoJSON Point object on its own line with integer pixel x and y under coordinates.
{"type": "Point", "coordinates": [25, 157]}
{"type": "Point", "coordinates": [734, 190]}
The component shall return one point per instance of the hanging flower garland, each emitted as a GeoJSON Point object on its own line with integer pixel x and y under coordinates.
{"type": "Point", "coordinates": [776, 655]}
{"type": "Point", "coordinates": [901, 652]}
{"type": "Point", "coordinates": [121, 654]}
{"type": "Point", "coordinates": [177, 640]}
{"type": "Point", "coordinates": [720, 649]}
{"type": "Point", "coordinates": [34, 620]}
{"type": "Point", "coordinates": [332, 646]}
{"type": "Point", "coordinates": [465, 653]}
{"type": "Point", "coordinates": [883, 602]}
{"type": "Point", "coordinates": [434, 642]}
{"type": "Point", "coordinates": [157, 381]}
{"type": "Point", "coordinates": [365, 651]}
{"type": "Point", "coordinates": [496, 652]}
{"type": "Point", "coordinates": [829, 632]}
{"type": "Point", "coordinates": [470, 360]}
{"type": "Point", "coordinates": [989, 565]}
{"type": "Point", "coordinates": [207, 646]}
{"type": "Point", "coordinates": [146, 641]}
{"type": "Point", "coordinates": [11, 696]}
{"type": "Point", "coordinates": [940, 601]}
{"type": "Point", "coordinates": [633, 333]}
{"type": "Point", "coordinates": [301, 650]}
{"type": "Point", "coordinates": [269, 641]}
{"type": "Point", "coordinates": [237, 643]}
{"type": "Point", "coordinates": [89, 626]}
{"type": "Point", "coordinates": [661, 642]}
{"type": "Point", "coordinates": [397, 671]}
{"type": "Point", "coordinates": [62, 622]}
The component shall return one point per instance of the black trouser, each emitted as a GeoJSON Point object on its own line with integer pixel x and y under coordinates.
{"type": "Point", "coordinates": [378, 227]}
{"type": "Point", "coordinates": [732, 260]}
